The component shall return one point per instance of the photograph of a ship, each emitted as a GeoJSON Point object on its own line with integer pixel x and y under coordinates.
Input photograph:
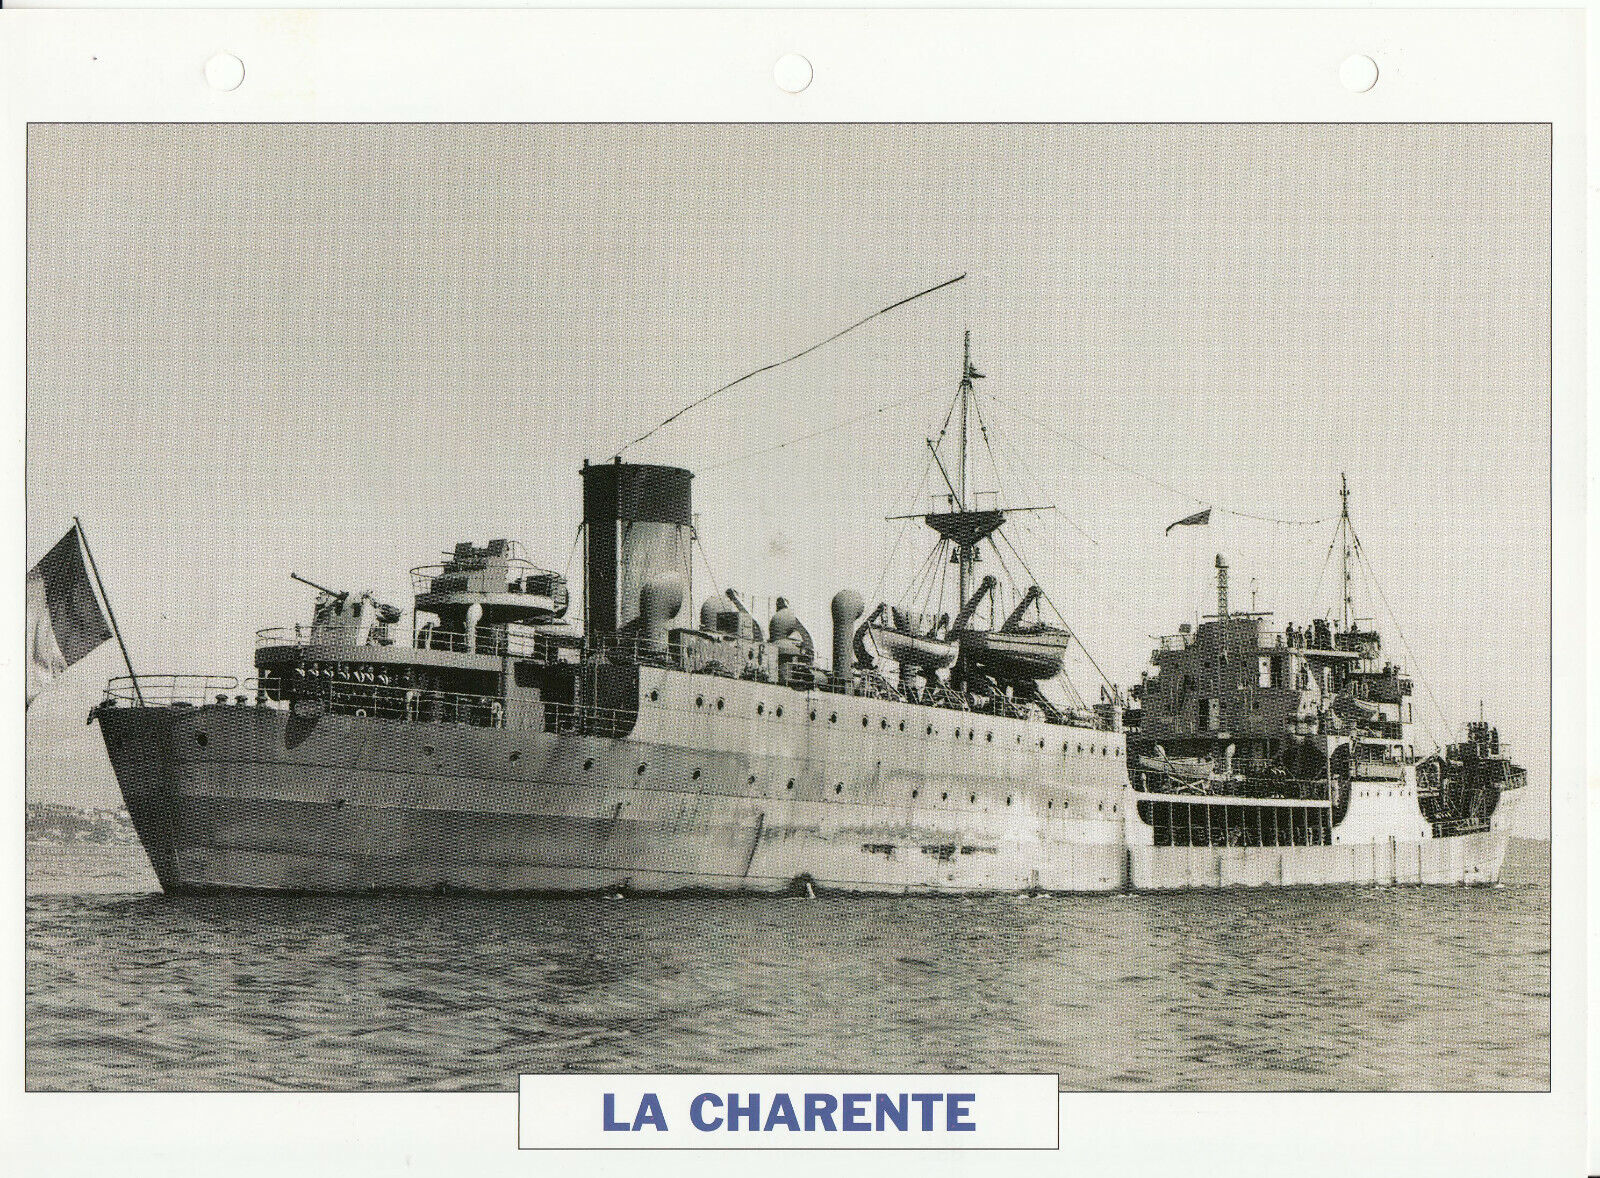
{"type": "Point", "coordinates": [953, 576]}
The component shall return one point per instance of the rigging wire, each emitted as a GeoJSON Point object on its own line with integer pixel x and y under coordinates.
{"type": "Point", "coordinates": [838, 425]}
{"type": "Point", "coordinates": [1139, 474]}
{"type": "Point", "coordinates": [706, 560]}
{"type": "Point", "coordinates": [577, 535]}
{"type": "Point", "coordinates": [1016, 463]}
{"type": "Point", "coordinates": [788, 359]}
{"type": "Point", "coordinates": [922, 482]}
{"type": "Point", "coordinates": [1011, 578]}
{"type": "Point", "coordinates": [1372, 576]}
{"type": "Point", "coordinates": [1327, 559]}
{"type": "Point", "coordinates": [1045, 597]}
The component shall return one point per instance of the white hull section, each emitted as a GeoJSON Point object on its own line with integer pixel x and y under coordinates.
{"type": "Point", "coordinates": [1463, 859]}
{"type": "Point", "coordinates": [1382, 840]}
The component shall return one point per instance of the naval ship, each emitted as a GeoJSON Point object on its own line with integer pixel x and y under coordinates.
{"type": "Point", "coordinates": [489, 744]}
{"type": "Point", "coordinates": [1267, 756]}
{"type": "Point", "coordinates": [492, 746]}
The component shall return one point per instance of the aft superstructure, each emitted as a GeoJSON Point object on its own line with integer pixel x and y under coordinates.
{"type": "Point", "coordinates": [1300, 743]}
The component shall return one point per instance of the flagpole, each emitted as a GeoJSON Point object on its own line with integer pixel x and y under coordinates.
{"type": "Point", "coordinates": [110, 613]}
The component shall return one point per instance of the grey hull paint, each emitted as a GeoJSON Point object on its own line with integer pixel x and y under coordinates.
{"type": "Point", "coordinates": [245, 798]}
{"type": "Point", "coordinates": [344, 804]}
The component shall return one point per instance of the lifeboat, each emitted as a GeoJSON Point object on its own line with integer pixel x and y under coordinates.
{"type": "Point", "coordinates": [1033, 653]}
{"type": "Point", "coordinates": [894, 639]}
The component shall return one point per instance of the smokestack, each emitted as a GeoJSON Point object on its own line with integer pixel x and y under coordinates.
{"type": "Point", "coordinates": [637, 524]}
{"type": "Point", "coordinates": [847, 607]}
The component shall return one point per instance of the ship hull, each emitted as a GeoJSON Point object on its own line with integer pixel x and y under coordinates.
{"type": "Point", "coordinates": [1461, 859]}
{"type": "Point", "coordinates": [723, 798]}
{"type": "Point", "coordinates": [1381, 840]}
{"type": "Point", "coordinates": [722, 785]}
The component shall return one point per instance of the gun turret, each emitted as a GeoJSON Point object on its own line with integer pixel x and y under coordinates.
{"type": "Point", "coordinates": [340, 596]}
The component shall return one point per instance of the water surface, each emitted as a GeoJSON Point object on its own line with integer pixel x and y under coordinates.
{"type": "Point", "coordinates": [1380, 989]}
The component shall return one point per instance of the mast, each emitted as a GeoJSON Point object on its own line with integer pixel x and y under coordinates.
{"type": "Point", "coordinates": [1344, 525]}
{"type": "Point", "coordinates": [963, 526]}
{"type": "Point", "coordinates": [965, 552]}
{"type": "Point", "coordinates": [966, 395]}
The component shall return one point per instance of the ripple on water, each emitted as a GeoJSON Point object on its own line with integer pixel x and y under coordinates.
{"type": "Point", "coordinates": [1302, 989]}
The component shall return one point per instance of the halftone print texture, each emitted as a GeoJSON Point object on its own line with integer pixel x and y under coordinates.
{"type": "Point", "coordinates": [1078, 660]}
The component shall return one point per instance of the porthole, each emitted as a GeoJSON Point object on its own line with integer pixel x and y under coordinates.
{"type": "Point", "coordinates": [1008, 799]}
{"type": "Point", "coordinates": [813, 713]}
{"type": "Point", "coordinates": [200, 739]}
{"type": "Point", "coordinates": [958, 734]}
{"type": "Point", "coordinates": [1064, 748]}
{"type": "Point", "coordinates": [654, 695]}
{"type": "Point", "coordinates": [970, 734]}
{"type": "Point", "coordinates": [1116, 752]}
{"type": "Point", "coordinates": [863, 721]}
{"type": "Point", "coordinates": [1050, 805]}
{"type": "Point", "coordinates": [989, 736]}
{"type": "Point", "coordinates": [699, 701]}
{"type": "Point", "coordinates": [642, 768]}
{"type": "Point", "coordinates": [902, 725]}
{"type": "Point", "coordinates": [695, 776]}
{"type": "Point", "coordinates": [719, 705]}
{"type": "Point", "coordinates": [790, 785]}
{"type": "Point", "coordinates": [1080, 748]}
{"type": "Point", "coordinates": [839, 789]}
{"type": "Point", "coordinates": [514, 756]}
{"type": "Point", "coordinates": [1101, 806]}
{"type": "Point", "coordinates": [944, 797]}
{"type": "Point", "coordinates": [761, 709]}
{"type": "Point", "coordinates": [589, 764]}
{"type": "Point", "coordinates": [427, 750]}
{"type": "Point", "coordinates": [752, 780]}
{"type": "Point", "coordinates": [1041, 742]}
{"type": "Point", "coordinates": [913, 793]}
{"type": "Point", "coordinates": [884, 723]}
{"type": "Point", "coordinates": [833, 717]}
{"type": "Point", "coordinates": [973, 798]}
{"type": "Point", "coordinates": [778, 711]}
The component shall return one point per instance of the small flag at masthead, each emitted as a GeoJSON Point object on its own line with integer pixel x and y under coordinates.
{"type": "Point", "coordinates": [1199, 517]}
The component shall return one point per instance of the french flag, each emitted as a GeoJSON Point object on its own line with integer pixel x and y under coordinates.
{"type": "Point", "coordinates": [65, 621]}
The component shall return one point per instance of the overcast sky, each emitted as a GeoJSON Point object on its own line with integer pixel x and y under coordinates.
{"type": "Point", "coordinates": [338, 350]}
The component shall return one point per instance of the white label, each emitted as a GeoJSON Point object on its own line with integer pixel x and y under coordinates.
{"type": "Point", "coordinates": [788, 1112]}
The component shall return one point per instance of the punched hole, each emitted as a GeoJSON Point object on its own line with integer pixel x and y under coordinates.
{"type": "Point", "coordinates": [792, 72]}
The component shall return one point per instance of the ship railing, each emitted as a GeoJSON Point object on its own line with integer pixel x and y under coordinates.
{"type": "Point", "coordinates": [490, 641]}
{"type": "Point", "coordinates": [1176, 641]}
{"type": "Point", "coordinates": [518, 568]}
{"type": "Point", "coordinates": [1156, 783]}
{"type": "Point", "coordinates": [177, 690]}
{"type": "Point", "coordinates": [313, 697]}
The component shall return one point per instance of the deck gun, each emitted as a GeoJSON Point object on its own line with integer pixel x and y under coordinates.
{"type": "Point", "coordinates": [340, 597]}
